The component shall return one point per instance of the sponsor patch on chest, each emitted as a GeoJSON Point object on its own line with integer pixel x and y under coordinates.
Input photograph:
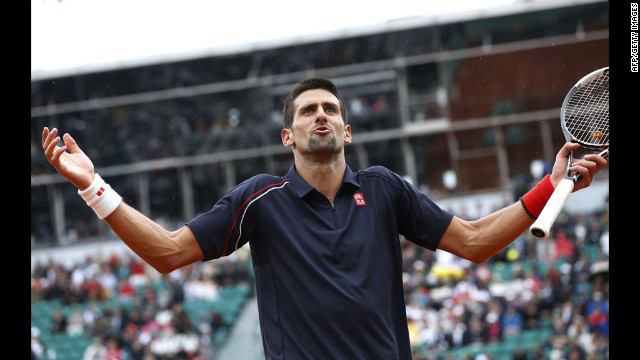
{"type": "Point", "coordinates": [359, 199]}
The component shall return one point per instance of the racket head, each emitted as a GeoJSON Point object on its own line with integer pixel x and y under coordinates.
{"type": "Point", "coordinates": [585, 111]}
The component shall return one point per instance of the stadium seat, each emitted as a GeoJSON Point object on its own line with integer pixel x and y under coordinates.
{"type": "Point", "coordinates": [503, 270]}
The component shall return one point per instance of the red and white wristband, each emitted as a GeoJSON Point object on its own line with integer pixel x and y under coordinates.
{"type": "Point", "coordinates": [535, 200]}
{"type": "Point", "coordinates": [101, 197]}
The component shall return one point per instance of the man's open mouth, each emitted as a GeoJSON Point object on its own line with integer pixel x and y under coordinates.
{"type": "Point", "coordinates": [322, 130]}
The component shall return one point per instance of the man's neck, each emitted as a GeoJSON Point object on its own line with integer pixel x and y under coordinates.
{"type": "Point", "coordinates": [324, 176]}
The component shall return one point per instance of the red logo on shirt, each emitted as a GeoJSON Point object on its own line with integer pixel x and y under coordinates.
{"type": "Point", "coordinates": [359, 199]}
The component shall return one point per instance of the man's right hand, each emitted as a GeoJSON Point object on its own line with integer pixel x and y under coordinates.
{"type": "Point", "coordinates": [74, 165]}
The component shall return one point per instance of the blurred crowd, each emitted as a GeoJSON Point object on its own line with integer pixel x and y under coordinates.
{"type": "Point", "coordinates": [133, 312]}
{"type": "Point", "coordinates": [559, 284]}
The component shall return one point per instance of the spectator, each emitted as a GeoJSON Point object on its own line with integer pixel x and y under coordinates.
{"type": "Point", "coordinates": [94, 290]}
{"type": "Point", "coordinates": [597, 313]}
{"type": "Point", "coordinates": [90, 315]}
{"type": "Point", "coordinates": [511, 321]}
{"type": "Point", "coordinates": [414, 331]}
{"type": "Point", "coordinates": [135, 349]}
{"type": "Point", "coordinates": [578, 332]}
{"type": "Point", "coordinates": [563, 245]}
{"type": "Point", "coordinates": [604, 243]}
{"type": "Point", "coordinates": [37, 347]}
{"type": "Point", "coordinates": [113, 351]}
{"type": "Point", "coordinates": [200, 288]}
{"type": "Point", "coordinates": [219, 327]}
{"type": "Point", "coordinates": [59, 322]}
{"type": "Point", "coordinates": [96, 350]}
{"type": "Point", "coordinates": [598, 320]}
{"type": "Point", "coordinates": [76, 323]}
{"type": "Point", "coordinates": [575, 352]}
{"type": "Point", "coordinates": [126, 291]}
{"type": "Point", "coordinates": [477, 331]}
{"type": "Point", "coordinates": [107, 280]}
{"type": "Point", "coordinates": [594, 232]}
{"type": "Point", "coordinates": [137, 272]}
{"type": "Point", "coordinates": [180, 319]}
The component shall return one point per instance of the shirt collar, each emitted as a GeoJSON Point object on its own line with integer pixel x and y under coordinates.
{"type": "Point", "coordinates": [302, 188]}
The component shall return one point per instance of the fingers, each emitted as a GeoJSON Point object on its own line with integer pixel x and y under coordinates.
{"type": "Point", "coordinates": [566, 150]}
{"type": "Point", "coordinates": [599, 160]}
{"type": "Point", "coordinates": [587, 168]}
{"type": "Point", "coordinates": [45, 133]}
{"type": "Point", "coordinates": [70, 143]}
{"type": "Point", "coordinates": [562, 160]}
{"type": "Point", "coordinates": [592, 162]}
{"type": "Point", "coordinates": [50, 142]}
{"type": "Point", "coordinates": [47, 136]}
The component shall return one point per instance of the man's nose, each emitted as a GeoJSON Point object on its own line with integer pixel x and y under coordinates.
{"type": "Point", "coordinates": [321, 116]}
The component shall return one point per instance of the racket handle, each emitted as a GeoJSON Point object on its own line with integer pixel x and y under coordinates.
{"type": "Point", "coordinates": [542, 225]}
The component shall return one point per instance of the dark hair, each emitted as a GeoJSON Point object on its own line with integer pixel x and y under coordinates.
{"type": "Point", "coordinates": [310, 84]}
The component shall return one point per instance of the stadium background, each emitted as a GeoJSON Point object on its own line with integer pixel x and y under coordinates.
{"type": "Point", "coordinates": [465, 107]}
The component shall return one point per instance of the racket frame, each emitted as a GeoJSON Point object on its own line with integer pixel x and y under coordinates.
{"type": "Point", "coordinates": [542, 226]}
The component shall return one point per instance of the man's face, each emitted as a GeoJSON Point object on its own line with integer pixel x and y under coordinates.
{"type": "Point", "coordinates": [317, 124]}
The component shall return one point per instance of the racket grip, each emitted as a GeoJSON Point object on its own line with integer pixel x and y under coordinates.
{"type": "Point", "coordinates": [542, 225]}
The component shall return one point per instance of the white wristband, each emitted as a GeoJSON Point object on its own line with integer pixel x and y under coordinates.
{"type": "Point", "coordinates": [101, 197]}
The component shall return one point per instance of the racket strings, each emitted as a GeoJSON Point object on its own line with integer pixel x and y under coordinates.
{"type": "Point", "coordinates": [587, 112]}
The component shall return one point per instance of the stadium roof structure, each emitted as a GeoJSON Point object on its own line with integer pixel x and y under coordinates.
{"type": "Point", "coordinates": [48, 70]}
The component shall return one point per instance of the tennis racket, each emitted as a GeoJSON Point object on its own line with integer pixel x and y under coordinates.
{"type": "Point", "coordinates": [584, 117]}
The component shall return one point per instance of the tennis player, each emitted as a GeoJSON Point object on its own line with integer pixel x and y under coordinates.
{"type": "Point", "coordinates": [323, 238]}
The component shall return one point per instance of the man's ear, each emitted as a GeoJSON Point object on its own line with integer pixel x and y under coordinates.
{"type": "Point", "coordinates": [287, 138]}
{"type": "Point", "coordinates": [347, 134]}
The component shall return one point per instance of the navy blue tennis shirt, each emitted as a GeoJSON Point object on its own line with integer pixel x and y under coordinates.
{"type": "Point", "coordinates": [328, 275]}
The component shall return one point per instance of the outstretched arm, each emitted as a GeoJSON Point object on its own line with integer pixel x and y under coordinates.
{"type": "Point", "coordinates": [164, 250]}
{"type": "Point", "coordinates": [480, 239]}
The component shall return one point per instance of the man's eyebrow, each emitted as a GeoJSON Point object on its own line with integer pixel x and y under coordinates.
{"type": "Point", "coordinates": [324, 104]}
{"type": "Point", "coordinates": [329, 103]}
